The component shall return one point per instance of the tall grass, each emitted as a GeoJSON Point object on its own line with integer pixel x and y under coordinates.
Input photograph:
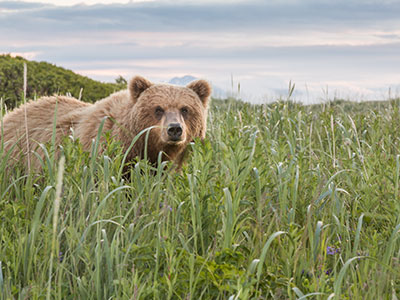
{"type": "Point", "coordinates": [280, 201]}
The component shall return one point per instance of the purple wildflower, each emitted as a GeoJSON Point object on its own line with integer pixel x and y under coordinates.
{"type": "Point", "coordinates": [328, 272]}
{"type": "Point", "coordinates": [166, 206]}
{"type": "Point", "coordinates": [306, 273]}
{"type": "Point", "coordinates": [331, 250]}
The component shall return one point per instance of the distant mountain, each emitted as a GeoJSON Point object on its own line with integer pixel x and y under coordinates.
{"type": "Point", "coordinates": [184, 80]}
{"type": "Point", "coordinates": [44, 79]}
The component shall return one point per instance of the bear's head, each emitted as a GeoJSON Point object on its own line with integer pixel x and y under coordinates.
{"type": "Point", "coordinates": [178, 114]}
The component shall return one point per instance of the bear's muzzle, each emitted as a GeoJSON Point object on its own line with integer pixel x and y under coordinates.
{"type": "Point", "coordinates": [174, 131]}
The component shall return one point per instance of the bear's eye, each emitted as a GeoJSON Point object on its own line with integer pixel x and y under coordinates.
{"type": "Point", "coordinates": [159, 112]}
{"type": "Point", "coordinates": [184, 111]}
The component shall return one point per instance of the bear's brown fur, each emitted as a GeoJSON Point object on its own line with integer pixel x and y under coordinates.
{"type": "Point", "coordinates": [179, 114]}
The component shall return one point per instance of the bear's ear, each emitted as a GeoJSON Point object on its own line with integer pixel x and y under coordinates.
{"type": "Point", "coordinates": [202, 88]}
{"type": "Point", "coordinates": [138, 85]}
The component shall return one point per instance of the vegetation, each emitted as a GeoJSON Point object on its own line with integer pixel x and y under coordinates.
{"type": "Point", "coordinates": [281, 201]}
{"type": "Point", "coordinates": [45, 79]}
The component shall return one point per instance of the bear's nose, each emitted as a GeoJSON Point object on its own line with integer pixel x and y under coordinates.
{"type": "Point", "coordinates": [174, 131]}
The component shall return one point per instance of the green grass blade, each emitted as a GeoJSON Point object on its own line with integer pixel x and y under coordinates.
{"type": "Point", "coordinates": [229, 219]}
{"type": "Point", "coordinates": [337, 286]}
{"type": "Point", "coordinates": [317, 238]}
{"type": "Point", "coordinates": [1, 279]}
{"type": "Point", "coordinates": [357, 237]}
{"type": "Point", "coordinates": [264, 252]}
{"type": "Point", "coordinates": [57, 200]}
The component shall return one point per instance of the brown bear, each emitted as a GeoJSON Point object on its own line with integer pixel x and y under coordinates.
{"type": "Point", "coordinates": [178, 114]}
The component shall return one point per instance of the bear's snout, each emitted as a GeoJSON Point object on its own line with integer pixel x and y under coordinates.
{"type": "Point", "coordinates": [174, 131]}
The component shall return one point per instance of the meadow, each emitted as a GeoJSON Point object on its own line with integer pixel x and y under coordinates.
{"type": "Point", "coordinates": [281, 201]}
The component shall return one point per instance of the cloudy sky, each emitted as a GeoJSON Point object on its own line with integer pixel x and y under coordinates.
{"type": "Point", "coordinates": [343, 48]}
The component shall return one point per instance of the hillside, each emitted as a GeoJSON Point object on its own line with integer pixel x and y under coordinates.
{"type": "Point", "coordinates": [47, 79]}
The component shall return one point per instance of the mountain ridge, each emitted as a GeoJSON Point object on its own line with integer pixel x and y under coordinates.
{"type": "Point", "coordinates": [186, 79]}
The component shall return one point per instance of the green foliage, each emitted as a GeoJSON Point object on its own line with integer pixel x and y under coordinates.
{"type": "Point", "coordinates": [44, 79]}
{"type": "Point", "coordinates": [281, 201]}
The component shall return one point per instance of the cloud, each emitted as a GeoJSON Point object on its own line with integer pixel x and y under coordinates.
{"type": "Point", "coordinates": [21, 5]}
{"type": "Point", "coordinates": [167, 16]}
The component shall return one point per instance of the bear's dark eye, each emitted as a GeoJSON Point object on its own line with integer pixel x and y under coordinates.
{"type": "Point", "coordinates": [159, 112]}
{"type": "Point", "coordinates": [184, 111]}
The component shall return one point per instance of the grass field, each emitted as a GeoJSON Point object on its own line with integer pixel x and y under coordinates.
{"type": "Point", "coordinates": [281, 201]}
